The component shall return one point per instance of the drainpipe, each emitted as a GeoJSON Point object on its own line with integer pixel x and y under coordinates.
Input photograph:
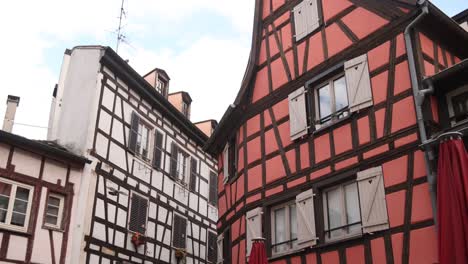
{"type": "Point", "coordinates": [418, 100]}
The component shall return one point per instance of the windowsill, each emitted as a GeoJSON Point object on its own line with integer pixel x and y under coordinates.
{"type": "Point", "coordinates": [57, 229]}
{"type": "Point", "coordinates": [281, 255]}
{"type": "Point", "coordinates": [15, 230]}
{"type": "Point", "coordinates": [332, 125]}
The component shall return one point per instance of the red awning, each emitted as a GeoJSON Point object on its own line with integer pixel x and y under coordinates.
{"type": "Point", "coordinates": [258, 253]}
{"type": "Point", "coordinates": [452, 202]}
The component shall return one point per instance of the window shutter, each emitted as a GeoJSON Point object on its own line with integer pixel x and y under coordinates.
{"type": "Point", "coordinates": [174, 154]}
{"type": "Point", "coordinates": [300, 20]}
{"type": "Point", "coordinates": [297, 113]}
{"type": "Point", "coordinates": [254, 226]}
{"type": "Point", "coordinates": [312, 15]}
{"type": "Point", "coordinates": [132, 141]}
{"type": "Point", "coordinates": [212, 247]}
{"type": "Point", "coordinates": [372, 200]}
{"type": "Point", "coordinates": [158, 151]}
{"type": "Point", "coordinates": [180, 231]}
{"type": "Point", "coordinates": [193, 174]}
{"type": "Point", "coordinates": [220, 243]}
{"type": "Point", "coordinates": [226, 162]}
{"type": "Point", "coordinates": [306, 234]}
{"type": "Point", "coordinates": [138, 214]}
{"type": "Point", "coordinates": [213, 194]}
{"type": "Point", "coordinates": [358, 83]}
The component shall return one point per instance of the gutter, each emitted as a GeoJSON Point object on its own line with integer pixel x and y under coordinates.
{"type": "Point", "coordinates": [419, 96]}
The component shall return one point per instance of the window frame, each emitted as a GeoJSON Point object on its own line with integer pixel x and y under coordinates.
{"type": "Point", "coordinates": [187, 172]}
{"type": "Point", "coordinates": [60, 216]}
{"type": "Point", "coordinates": [334, 113]}
{"type": "Point", "coordinates": [290, 242]}
{"type": "Point", "coordinates": [174, 215]}
{"type": "Point", "coordinates": [215, 235]}
{"type": "Point", "coordinates": [150, 130]}
{"type": "Point", "coordinates": [324, 215]}
{"type": "Point", "coordinates": [451, 110]}
{"type": "Point", "coordinates": [14, 186]}
{"type": "Point", "coordinates": [129, 215]}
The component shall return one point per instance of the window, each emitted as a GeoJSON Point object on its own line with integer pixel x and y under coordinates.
{"type": "Point", "coordinates": [179, 164]}
{"type": "Point", "coordinates": [161, 87]}
{"type": "Point", "coordinates": [15, 205]}
{"type": "Point", "coordinates": [230, 160]}
{"type": "Point", "coordinates": [179, 231]}
{"type": "Point", "coordinates": [158, 150]}
{"type": "Point", "coordinates": [193, 175]}
{"type": "Point", "coordinates": [331, 100]}
{"type": "Point", "coordinates": [457, 101]}
{"type": "Point", "coordinates": [138, 213]}
{"type": "Point", "coordinates": [221, 248]}
{"type": "Point", "coordinates": [284, 228]}
{"type": "Point", "coordinates": [306, 18]}
{"type": "Point", "coordinates": [212, 247]}
{"type": "Point", "coordinates": [139, 137]}
{"type": "Point", "coordinates": [342, 216]}
{"type": "Point", "coordinates": [54, 210]}
{"type": "Point", "coordinates": [185, 109]}
{"type": "Point", "coordinates": [213, 192]}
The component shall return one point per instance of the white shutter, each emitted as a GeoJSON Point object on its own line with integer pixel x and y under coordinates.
{"type": "Point", "coordinates": [226, 163]}
{"type": "Point", "coordinates": [297, 113]}
{"type": "Point", "coordinates": [312, 15]}
{"type": "Point", "coordinates": [254, 227]}
{"type": "Point", "coordinates": [358, 83]}
{"type": "Point", "coordinates": [300, 20]}
{"type": "Point", "coordinates": [220, 257]}
{"type": "Point", "coordinates": [306, 234]}
{"type": "Point", "coordinates": [372, 200]}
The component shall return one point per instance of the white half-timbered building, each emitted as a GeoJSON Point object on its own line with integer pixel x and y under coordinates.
{"type": "Point", "coordinates": [150, 194]}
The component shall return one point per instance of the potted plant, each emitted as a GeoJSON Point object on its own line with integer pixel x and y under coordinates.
{"type": "Point", "coordinates": [138, 240]}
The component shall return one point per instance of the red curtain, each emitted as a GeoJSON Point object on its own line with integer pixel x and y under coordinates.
{"type": "Point", "coordinates": [452, 202]}
{"type": "Point", "coordinates": [258, 253]}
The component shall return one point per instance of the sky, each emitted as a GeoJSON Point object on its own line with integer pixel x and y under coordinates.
{"type": "Point", "coordinates": [202, 44]}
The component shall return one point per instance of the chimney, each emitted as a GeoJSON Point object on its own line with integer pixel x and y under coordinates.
{"type": "Point", "coordinates": [181, 101]}
{"type": "Point", "coordinates": [207, 126]}
{"type": "Point", "coordinates": [12, 104]}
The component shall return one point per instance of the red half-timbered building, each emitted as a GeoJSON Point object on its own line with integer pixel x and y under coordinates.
{"type": "Point", "coordinates": [327, 150]}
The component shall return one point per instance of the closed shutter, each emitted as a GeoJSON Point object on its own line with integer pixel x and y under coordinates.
{"type": "Point", "coordinates": [297, 113]}
{"type": "Point", "coordinates": [358, 83]}
{"type": "Point", "coordinates": [174, 154]}
{"type": "Point", "coordinates": [300, 20]}
{"type": "Point", "coordinates": [193, 174]}
{"type": "Point", "coordinates": [180, 231]}
{"type": "Point", "coordinates": [132, 141]}
{"type": "Point", "coordinates": [226, 163]}
{"type": "Point", "coordinates": [312, 15]}
{"type": "Point", "coordinates": [213, 194]}
{"type": "Point", "coordinates": [254, 226]}
{"type": "Point", "coordinates": [220, 243]}
{"type": "Point", "coordinates": [372, 200]}
{"type": "Point", "coordinates": [212, 247]}
{"type": "Point", "coordinates": [306, 234]}
{"type": "Point", "coordinates": [138, 214]}
{"type": "Point", "coordinates": [158, 150]}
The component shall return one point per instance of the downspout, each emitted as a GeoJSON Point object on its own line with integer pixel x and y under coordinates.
{"type": "Point", "coordinates": [419, 99]}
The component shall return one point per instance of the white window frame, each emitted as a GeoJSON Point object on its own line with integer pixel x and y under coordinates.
{"type": "Point", "coordinates": [343, 213]}
{"type": "Point", "coordinates": [333, 116]}
{"type": "Point", "coordinates": [449, 97]}
{"type": "Point", "coordinates": [138, 148]}
{"type": "Point", "coordinates": [14, 186]}
{"type": "Point", "coordinates": [184, 157]}
{"type": "Point", "coordinates": [292, 247]}
{"type": "Point", "coordinates": [60, 211]}
{"type": "Point", "coordinates": [129, 215]}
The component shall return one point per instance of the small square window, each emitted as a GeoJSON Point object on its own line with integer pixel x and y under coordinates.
{"type": "Point", "coordinates": [342, 214]}
{"type": "Point", "coordinates": [284, 228]}
{"type": "Point", "coordinates": [54, 211]}
{"type": "Point", "coordinates": [331, 101]}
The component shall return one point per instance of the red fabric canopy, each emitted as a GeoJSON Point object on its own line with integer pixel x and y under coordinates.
{"type": "Point", "coordinates": [452, 202]}
{"type": "Point", "coordinates": [258, 253]}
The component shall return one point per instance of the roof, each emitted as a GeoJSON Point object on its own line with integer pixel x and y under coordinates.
{"type": "Point", "coordinates": [454, 76]}
{"type": "Point", "coordinates": [112, 60]}
{"type": "Point", "coordinates": [185, 96]}
{"type": "Point", "coordinates": [461, 17]}
{"type": "Point", "coordinates": [161, 72]}
{"type": "Point", "coordinates": [41, 147]}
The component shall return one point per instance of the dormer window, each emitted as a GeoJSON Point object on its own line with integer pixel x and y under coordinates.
{"type": "Point", "coordinates": [161, 87]}
{"type": "Point", "coordinates": [185, 109]}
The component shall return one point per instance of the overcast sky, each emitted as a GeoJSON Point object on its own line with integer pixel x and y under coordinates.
{"type": "Point", "coordinates": [202, 44]}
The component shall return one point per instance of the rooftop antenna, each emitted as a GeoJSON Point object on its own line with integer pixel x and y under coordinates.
{"type": "Point", "coordinates": [120, 35]}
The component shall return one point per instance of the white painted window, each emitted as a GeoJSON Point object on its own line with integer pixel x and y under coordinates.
{"type": "Point", "coordinates": [54, 210]}
{"type": "Point", "coordinates": [306, 18]}
{"type": "Point", "coordinates": [140, 133]}
{"type": "Point", "coordinates": [254, 227]}
{"type": "Point", "coordinates": [298, 113]}
{"type": "Point", "coordinates": [457, 101]}
{"type": "Point", "coordinates": [284, 228]}
{"type": "Point", "coordinates": [331, 99]}
{"type": "Point", "coordinates": [358, 83]}
{"type": "Point", "coordinates": [220, 244]}
{"type": "Point", "coordinates": [142, 146]}
{"type": "Point", "coordinates": [15, 205]}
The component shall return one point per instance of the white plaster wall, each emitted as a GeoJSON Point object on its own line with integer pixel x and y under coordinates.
{"type": "Point", "coordinates": [55, 171]}
{"type": "Point", "coordinates": [4, 153]}
{"type": "Point", "coordinates": [20, 245]}
{"type": "Point", "coordinates": [26, 163]}
{"type": "Point", "coordinates": [464, 25]}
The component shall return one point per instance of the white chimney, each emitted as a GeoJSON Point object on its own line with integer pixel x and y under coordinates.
{"type": "Point", "coordinates": [12, 104]}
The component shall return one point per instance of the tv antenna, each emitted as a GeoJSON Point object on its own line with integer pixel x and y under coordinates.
{"type": "Point", "coordinates": [120, 36]}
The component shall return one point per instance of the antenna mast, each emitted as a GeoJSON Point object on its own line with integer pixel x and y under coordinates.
{"type": "Point", "coordinates": [120, 35]}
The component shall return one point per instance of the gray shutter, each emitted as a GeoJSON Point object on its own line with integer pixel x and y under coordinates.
{"type": "Point", "coordinates": [312, 15]}
{"type": "Point", "coordinates": [174, 154]}
{"type": "Point", "coordinates": [306, 233]}
{"type": "Point", "coordinates": [132, 141]}
{"type": "Point", "coordinates": [193, 174]}
{"type": "Point", "coordinates": [158, 151]}
{"type": "Point", "coordinates": [138, 214]}
{"type": "Point", "coordinates": [358, 83]}
{"type": "Point", "coordinates": [213, 194]}
{"type": "Point", "coordinates": [226, 163]}
{"type": "Point", "coordinates": [372, 200]}
{"type": "Point", "coordinates": [212, 247]}
{"type": "Point", "coordinates": [180, 231]}
{"type": "Point", "coordinates": [297, 113]}
{"type": "Point", "coordinates": [220, 257]}
{"type": "Point", "coordinates": [254, 227]}
{"type": "Point", "coordinates": [300, 20]}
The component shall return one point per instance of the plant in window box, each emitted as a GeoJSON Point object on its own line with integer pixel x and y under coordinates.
{"type": "Point", "coordinates": [138, 239]}
{"type": "Point", "coordinates": [180, 253]}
